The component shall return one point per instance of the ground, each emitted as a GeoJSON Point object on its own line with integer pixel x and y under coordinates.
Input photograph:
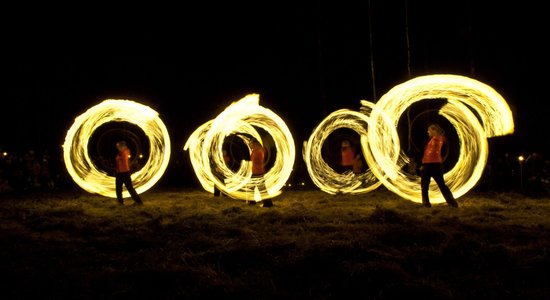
{"type": "Point", "coordinates": [187, 244]}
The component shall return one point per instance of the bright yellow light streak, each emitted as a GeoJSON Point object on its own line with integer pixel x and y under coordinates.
{"type": "Point", "coordinates": [202, 161]}
{"type": "Point", "coordinates": [465, 96]}
{"type": "Point", "coordinates": [241, 118]}
{"type": "Point", "coordinates": [75, 148]}
{"type": "Point", "coordinates": [324, 176]}
{"type": "Point", "coordinates": [195, 144]}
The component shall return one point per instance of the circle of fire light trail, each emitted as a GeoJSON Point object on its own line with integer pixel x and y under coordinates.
{"type": "Point", "coordinates": [465, 96]}
{"type": "Point", "coordinates": [81, 167]}
{"type": "Point", "coordinates": [241, 118]}
{"type": "Point", "coordinates": [324, 176]}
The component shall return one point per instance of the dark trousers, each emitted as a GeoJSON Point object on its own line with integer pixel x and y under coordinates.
{"type": "Point", "coordinates": [435, 171]}
{"type": "Point", "coordinates": [125, 179]}
{"type": "Point", "coordinates": [217, 191]}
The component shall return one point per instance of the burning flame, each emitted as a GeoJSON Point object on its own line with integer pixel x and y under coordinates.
{"type": "Point", "coordinates": [75, 148]}
{"type": "Point", "coordinates": [241, 118]}
{"type": "Point", "coordinates": [324, 176]}
{"type": "Point", "coordinates": [475, 110]}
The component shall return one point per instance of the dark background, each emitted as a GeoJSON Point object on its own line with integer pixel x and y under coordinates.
{"type": "Point", "coordinates": [189, 61]}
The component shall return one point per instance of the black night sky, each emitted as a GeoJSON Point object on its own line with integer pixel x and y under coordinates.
{"type": "Point", "coordinates": [305, 61]}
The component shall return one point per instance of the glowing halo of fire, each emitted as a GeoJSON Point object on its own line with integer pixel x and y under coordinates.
{"type": "Point", "coordinates": [323, 175]}
{"type": "Point", "coordinates": [241, 118]}
{"type": "Point", "coordinates": [82, 169]}
{"type": "Point", "coordinates": [194, 145]}
{"type": "Point", "coordinates": [465, 96]}
{"type": "Point", "coordinates": [203, 161]}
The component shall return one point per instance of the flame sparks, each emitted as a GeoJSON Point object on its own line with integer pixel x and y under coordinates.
{"type": "Point", "coordinates": [241, 118]}
{"type": "Point", "coordinates": [324, 176]}
{"type": "Point", "coordinates": [475, 110]}
{"type": "Point", "coordinates": [81, 167]}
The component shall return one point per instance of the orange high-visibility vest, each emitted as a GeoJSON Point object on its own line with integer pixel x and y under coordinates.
{"type": "Point", "coordinates": [432, 152]}
{"type": "Point", "coordinates": [257, 158]}
{"type": "Point", "coordinates": [123, 161]}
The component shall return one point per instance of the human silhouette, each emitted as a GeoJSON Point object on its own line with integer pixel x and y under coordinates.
{"type": "Point", "coordinates": [257, 157]}
{"type": "Point", "coordinates": [432, 167]}
{"type": "Point", "coordinates": [123, 174]}
{"type": "Point", "coordinates": [349, 158]}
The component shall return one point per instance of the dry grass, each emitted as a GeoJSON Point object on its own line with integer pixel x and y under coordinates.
{"type": "Point", "coordinates": [186, 244]}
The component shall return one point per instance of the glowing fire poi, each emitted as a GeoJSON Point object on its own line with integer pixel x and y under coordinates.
{"type": "Point", "coordinates": [465, 96]}
{"type": "Point", "coordinates": [241, 118]}
{"type": "Point", "coordinates": [81, 167]}
{"type": "Point", "coordinates": [381, 146]}
{"type": "Point", "coordinates": [324, 176]}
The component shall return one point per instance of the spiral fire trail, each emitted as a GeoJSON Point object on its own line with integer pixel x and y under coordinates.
{"type": "Point", "coordinates": [241, 118]}
{"type": "Point", "coordinates": [81, 167]}
{"type": "Point", "coordinates": [475, 110]}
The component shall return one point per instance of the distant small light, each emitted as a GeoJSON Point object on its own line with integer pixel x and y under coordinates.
{"type": "Point", "coordinates": [141, 156]}
{"type": "Point", "coordinates": [302, 183]}
{"type": "Point", "coordinates": [5, 153]}
{"type": "Point", "coordinates": [521, 158]}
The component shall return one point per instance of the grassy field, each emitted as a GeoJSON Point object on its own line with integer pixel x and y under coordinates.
{"type": "Point", "coordinates": [186, 244]}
